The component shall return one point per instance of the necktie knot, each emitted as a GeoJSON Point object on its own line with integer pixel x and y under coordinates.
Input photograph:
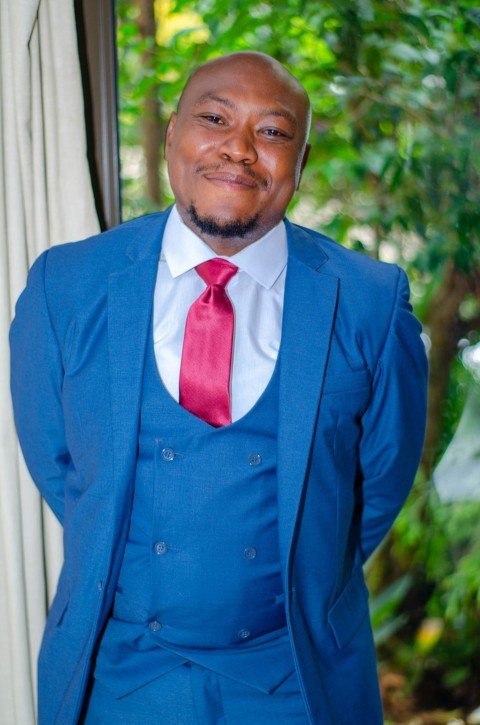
{"type": "Point", "coordinates": [216, 271]}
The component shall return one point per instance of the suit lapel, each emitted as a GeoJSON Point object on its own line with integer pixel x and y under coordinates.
{"type": "Point", "coordinates": [309, 311]}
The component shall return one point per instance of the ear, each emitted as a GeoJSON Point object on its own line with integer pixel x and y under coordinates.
{"type": "Point", "coordinates": [306, 154]}
{"type": "Point", "coordinates": [169, 135]}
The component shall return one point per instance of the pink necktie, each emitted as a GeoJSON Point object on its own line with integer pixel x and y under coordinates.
{"type": "Point", "coordinates": [207, 347]}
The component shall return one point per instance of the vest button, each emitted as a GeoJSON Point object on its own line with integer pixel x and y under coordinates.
{"type": "Point", "coordinates": [160, 548]}
{"type": "Point", "coordinates": [154, 626]}
{"type": "Point", "coordinates": [168, 454]}
{"type": "Point", "coordinates": [244, 634]}
{"type": "Point", "coordinates": [254, 459]}
{"type": "Point", "coordinates": [250, 552]}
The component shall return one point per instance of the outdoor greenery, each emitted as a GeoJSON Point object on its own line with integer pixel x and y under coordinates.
{"type": "Point", "coordinates": [394, 173]}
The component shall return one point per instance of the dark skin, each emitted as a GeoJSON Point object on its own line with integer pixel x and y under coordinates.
{"type": "Point", "coordinates": [236, 149]}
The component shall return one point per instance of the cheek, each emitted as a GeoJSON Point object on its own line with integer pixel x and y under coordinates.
{"type": "Point", "coordinates": [204, 148]}
{"type": "Point", "coordinates": [283, 171]}
{"type": "Point", "coordinates": [284, 185]}
{"type": "Point", "coordinates": [184, 159]}
{"type": "Point", "coordinates": [192, 151]}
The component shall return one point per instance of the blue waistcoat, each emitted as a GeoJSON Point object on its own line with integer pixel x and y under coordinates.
{"type": "Point", "coordinates": [200, 579]}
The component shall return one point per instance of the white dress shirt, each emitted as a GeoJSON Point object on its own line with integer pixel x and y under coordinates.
{"type": "Point", "coordinates": [256, 293]}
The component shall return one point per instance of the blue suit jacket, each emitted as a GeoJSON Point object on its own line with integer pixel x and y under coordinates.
{"type": "Point", "coordinates": [351, 424]}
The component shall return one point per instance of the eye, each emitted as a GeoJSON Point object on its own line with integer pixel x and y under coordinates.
{"type": "Point", "coordinates": [275, 133]}
{"type": "Point", "coordinates": [212, 118]}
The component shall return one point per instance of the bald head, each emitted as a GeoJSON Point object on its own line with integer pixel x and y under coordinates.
{"type": "Point", "coordinates": [263, 68]}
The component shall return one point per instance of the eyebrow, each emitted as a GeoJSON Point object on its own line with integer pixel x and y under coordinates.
{"type": "Point", "coordinates": [282, 113]}
{"type": "Point", "coordinates": [212, 97]}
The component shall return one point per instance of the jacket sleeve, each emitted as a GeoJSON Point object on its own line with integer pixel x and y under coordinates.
{"type": "Point", "coordinates": [393, 424]}
{"type": "Point", "coordinates": [36, 383]}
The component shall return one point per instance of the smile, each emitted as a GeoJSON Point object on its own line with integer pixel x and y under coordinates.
{"type": "Point", "coordinates": [230, 180]}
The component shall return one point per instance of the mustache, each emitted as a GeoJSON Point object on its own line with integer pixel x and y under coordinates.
{"type": "Point", "coordinates": [233, 169]}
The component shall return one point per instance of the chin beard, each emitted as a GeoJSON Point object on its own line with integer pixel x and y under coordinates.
{"type": "Point", "coordinates": [213, 227]}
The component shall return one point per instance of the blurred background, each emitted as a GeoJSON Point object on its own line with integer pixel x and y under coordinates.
{"type": "Point", "coordinates": [394, 173]}
{"type": "Point", "coordinates": [86, 91]}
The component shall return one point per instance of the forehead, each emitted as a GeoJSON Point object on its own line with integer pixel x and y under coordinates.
{"type": "Point", "coordinates": [245, 83]}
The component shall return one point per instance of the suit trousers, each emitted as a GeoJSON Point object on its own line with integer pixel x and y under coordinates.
{"type": "Point", "coordinates": [192, 695]}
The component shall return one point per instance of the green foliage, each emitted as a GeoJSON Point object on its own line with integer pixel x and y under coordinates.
{"type": "Point", "coordinates": [445, 551]}
{"type": "Point", "coordinates": [384, 607]}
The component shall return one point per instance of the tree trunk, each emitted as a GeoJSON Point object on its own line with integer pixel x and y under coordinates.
{"type": "Point", "coordinates": [151, 123]}
{"type": "Point", "coordinates": [443, 323]}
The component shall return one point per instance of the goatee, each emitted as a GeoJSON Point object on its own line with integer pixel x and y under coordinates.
{"type": "Point", "coordinates": [213, 227]}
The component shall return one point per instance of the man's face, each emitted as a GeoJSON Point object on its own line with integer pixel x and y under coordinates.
{"type": "Point", "coordinates": [236, 148]}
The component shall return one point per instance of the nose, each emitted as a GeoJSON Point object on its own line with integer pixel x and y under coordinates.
{"type": "Point", "coordinates": [238, 147]}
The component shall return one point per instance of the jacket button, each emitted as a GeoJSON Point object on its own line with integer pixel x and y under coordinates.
{"type": "Point", "coordinates": [244, 634]}
{"type": "Point", "coordinates": [168, 454]}
{"type": "Point", "coordinates": [250, 552]}
{"type": "Point", "coordinates": [254, 459]}
{"type": "Point", "coordinates": [160, 548]}
{"type": "Point", "coordinates": [154, 626]}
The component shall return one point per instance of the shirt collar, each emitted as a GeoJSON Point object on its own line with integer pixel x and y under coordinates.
{"type": "Point", "coordinates": [264, 260]}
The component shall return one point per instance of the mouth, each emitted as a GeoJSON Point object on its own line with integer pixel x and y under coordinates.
{"type": "Point", "coordinates": [232, 176]}
{"type": "Point", "coordinates": [231, 180]}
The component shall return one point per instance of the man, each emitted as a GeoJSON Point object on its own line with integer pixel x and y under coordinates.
{"type": "Point", "coordinates": [214, 548]}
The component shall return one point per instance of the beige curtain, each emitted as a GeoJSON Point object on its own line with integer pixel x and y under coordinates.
{"type": "Point", "coordinates": [45, 198]}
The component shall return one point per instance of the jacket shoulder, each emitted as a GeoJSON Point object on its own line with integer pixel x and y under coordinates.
{"type": "Point", "coordinates": [345, 263]}
{"type": "Point", "coordinates": [109, 248]}
{"type": "Point", "coordinates": [370, 293]}
{"type": "Point", "coordinates": [76, 271]}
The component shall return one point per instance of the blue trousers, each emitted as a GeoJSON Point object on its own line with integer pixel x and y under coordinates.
{"type": "Point", "coordinates": [192, 695]}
